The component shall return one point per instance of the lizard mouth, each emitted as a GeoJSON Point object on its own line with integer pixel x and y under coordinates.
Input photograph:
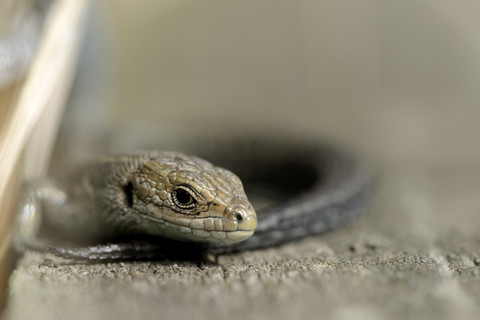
{"type": "Point", "coordinates": [195, 232]}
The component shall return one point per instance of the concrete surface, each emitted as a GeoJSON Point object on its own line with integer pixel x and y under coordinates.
{"type": "Point", "coordinates": [397, 81]}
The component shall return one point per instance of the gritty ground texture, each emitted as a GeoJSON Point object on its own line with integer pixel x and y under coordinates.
{"type": "Point", "coordinates": [415, 255]}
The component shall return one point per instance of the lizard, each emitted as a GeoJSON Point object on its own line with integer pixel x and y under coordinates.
{"type": "Point", "coordinates": [190, 201]}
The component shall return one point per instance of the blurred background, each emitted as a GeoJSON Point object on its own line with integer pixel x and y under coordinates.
{"type": "Point", "coordinates": [398, 79]}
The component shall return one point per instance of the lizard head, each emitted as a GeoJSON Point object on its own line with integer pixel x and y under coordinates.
{"type": "Point", "coordinates": [187, 198]}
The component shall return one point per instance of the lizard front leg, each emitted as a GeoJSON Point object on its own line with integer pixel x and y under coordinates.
{"type": "Point", "coordinates": [48, 211]}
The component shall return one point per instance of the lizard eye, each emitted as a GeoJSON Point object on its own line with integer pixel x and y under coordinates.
{"type": "Point", "coordinates": [184, 198]}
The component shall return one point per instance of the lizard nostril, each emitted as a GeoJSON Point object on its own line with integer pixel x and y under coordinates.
{"type": "Point", "coordinates": [239, 217]}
